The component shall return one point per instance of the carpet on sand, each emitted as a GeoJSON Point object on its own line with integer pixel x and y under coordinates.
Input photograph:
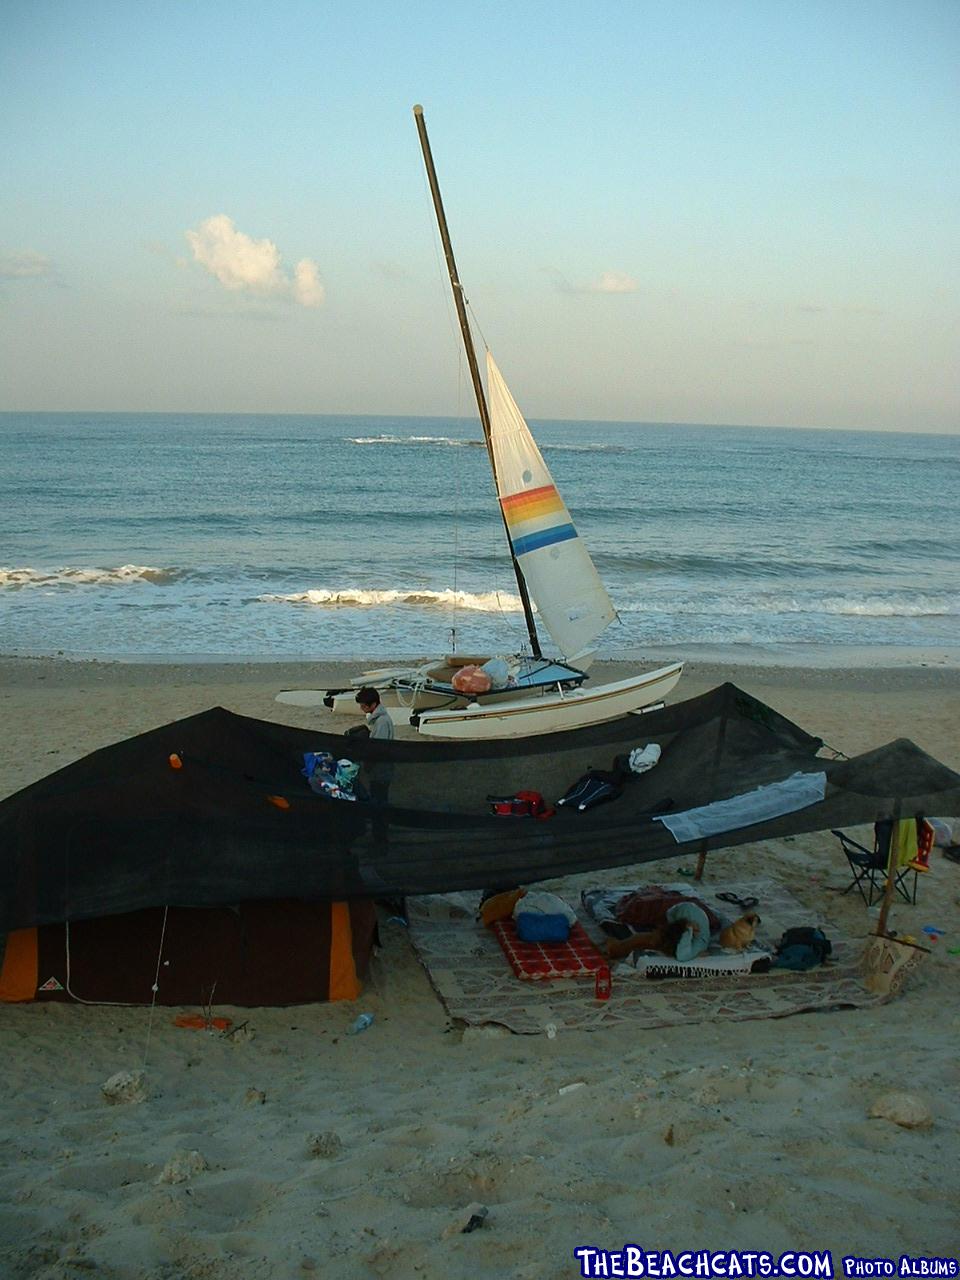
{"type": "Point", "coordinates": [471, 976]}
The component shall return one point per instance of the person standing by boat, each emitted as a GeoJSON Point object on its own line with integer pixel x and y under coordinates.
{"type": "Point", "coordinates": [379, 775]}
{"type": "Point", "coordinates": [379, 772]}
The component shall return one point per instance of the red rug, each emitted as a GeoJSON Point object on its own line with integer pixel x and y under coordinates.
{"type": "Point", "coordinates": [575, 958]}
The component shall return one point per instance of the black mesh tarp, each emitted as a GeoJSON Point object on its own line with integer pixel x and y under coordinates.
{"type": "Point", "coordinates": [121, 830]}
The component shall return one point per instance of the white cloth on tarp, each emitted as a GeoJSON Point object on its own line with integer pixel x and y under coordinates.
{"type": "Point", "coordinates": [770, 801]}
{"type": "Point", "coordinates": [644, 758]}
{"type": "Point", "coordinates": [942, 832]}
{"type": "Point", "coordinates": [543, 903]}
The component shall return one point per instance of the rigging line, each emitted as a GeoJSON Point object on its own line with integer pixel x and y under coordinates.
{"type": "Point", "coordinates": [453, 325]}
{"type": "Point", "coordinates": [156, 986]}
{"type": "Point", "coordinates": [476, 323]}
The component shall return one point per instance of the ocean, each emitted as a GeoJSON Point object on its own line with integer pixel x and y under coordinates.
{"type": "Point", "coordinates": [262, 536]}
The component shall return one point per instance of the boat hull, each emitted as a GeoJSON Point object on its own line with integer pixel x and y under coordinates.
{"type": "Point", "coordinates": [549, 713]}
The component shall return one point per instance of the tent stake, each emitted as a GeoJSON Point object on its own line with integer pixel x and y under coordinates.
{"type": "Point", "coordinates": [891, 869]}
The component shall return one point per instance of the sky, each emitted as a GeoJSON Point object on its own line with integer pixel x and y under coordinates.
{"type": "Point", "coordinates": [706, 211]}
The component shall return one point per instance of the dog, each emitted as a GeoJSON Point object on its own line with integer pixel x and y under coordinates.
{"type": "Point", "coordinates": [739, 935]}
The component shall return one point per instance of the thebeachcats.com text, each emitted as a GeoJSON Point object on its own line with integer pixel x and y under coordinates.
{"type": "Point", "coordinates": [632, 1260]}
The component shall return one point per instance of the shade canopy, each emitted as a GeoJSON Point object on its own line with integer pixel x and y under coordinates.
{"type": "Point", "coordinates": [122, 830]}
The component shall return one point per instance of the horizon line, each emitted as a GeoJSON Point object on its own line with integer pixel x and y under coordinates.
{"type": "Point", "coordinates": [435, 417]}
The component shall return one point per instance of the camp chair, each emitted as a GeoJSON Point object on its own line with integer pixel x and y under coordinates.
{"type": "Point", "coordinates": [869, 867]}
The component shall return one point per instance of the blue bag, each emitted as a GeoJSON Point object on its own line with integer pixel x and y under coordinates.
{"type": "Point", "coordinates": [534, 926]}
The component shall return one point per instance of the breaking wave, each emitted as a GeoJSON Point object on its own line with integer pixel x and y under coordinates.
{"type": "Point", "coordinates": [359, 598]}
{"type": "Point", "coordinates": [461, 443]}
{"type": "Point", "coordinates": [68, 576]}
{"type": "Point", "coordinates": [429, 440]}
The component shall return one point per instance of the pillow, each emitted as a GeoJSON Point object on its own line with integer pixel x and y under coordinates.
{"type": "Point", "coordinates": [546, 904]}
{"type": "Point", "coordinates": [500, 906]}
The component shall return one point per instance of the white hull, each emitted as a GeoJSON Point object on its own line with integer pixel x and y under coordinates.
{"type": "Point", "coordinates": [345, 703]}
{"type": "Point", "coordinates": [551, 713]}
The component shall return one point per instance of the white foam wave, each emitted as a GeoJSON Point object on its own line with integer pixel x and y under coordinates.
{"type": "Point", "coordinates": [76, 577]}
{"type": "Point", "coordinates": [360, 598]}
{"type": "Point", "coordinates": [586, 447]}
{"type": "Point", "coordinates": [437, 440]}
{"type": "Point", "coordinates": [457, 443]}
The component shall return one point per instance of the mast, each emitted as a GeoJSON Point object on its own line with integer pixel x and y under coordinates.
{"type": "Point", "coordinates": [457, 288]}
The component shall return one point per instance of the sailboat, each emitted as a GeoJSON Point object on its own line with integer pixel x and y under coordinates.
{"type": "Point", "coordinates": [553, 569]}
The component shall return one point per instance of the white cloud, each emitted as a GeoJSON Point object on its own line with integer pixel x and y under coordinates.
{"type": "Point", "coordinates": [608, 282]}
{"type": "Point", "coordinates": [307, 289]}
{"type": "Point", "coordinates": [615, 282]}
{"type": "Point", "coordinates": [24, 266]}
{"type": "Point", "coordinates": [245, 265]}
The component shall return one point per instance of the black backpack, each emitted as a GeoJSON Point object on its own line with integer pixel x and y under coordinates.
{"type": "Point", "coordinates": [802, 948]}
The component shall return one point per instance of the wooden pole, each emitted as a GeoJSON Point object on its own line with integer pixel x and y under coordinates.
{"type": "Point", "coordinates": [701, 862]}
{"type": "Point", "coordinates": [461, 306]}
{"type": "Point", "coordinates": [892, 852]}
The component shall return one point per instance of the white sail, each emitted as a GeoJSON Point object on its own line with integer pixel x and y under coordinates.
{"type": "Point", "coordinates": [559, 573]}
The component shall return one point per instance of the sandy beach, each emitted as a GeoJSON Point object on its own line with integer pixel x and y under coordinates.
{"type": "Point", "coordinates": [325, 1153]}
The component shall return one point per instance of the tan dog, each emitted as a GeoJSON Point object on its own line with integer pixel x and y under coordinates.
{"type": "Point", "coordinates": [741, 933]}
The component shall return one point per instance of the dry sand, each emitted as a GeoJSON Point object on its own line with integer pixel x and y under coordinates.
{"type": "Point", "coordinates": [770, 1143]}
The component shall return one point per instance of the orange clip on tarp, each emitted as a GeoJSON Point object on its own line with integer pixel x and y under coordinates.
{"type": "Point", "coordinates": [175, 761]}
{"type": "Point", "coordinates": [279, 801]}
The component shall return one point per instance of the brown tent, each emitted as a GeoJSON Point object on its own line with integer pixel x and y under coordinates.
{"type": "Point", "coordinates": [255, 953]}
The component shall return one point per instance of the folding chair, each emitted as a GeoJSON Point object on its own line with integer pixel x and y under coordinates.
{"type": "Point", "coordinates": [869, 866]}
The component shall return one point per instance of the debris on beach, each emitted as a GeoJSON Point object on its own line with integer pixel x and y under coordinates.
{"type": "Point", "coordinates": [467, 1220]}
{"type": "Point", "coordinates": [125, 1086]}
{"type": "Point", "coordinates": [182, 1166]}
{"type": "Point", "coordinates": [254, 1098]}
{"type": "Point", "coordinates": [904, 1109]}
{"type": "Point", "coordinates": [324, 1144]}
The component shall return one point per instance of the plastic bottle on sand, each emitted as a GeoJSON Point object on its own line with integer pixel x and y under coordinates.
{"type": "Point", "coordinates": [361, 1024]}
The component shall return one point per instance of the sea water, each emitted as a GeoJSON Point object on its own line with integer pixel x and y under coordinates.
{"type": "Point", "coordinates": [263, 536]}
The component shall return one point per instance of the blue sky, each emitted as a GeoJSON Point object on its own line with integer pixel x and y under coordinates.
{"type": "Point", "coordinates": [736, 212]}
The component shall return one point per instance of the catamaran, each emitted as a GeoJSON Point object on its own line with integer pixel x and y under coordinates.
{"type": "Point", "coordinates": [553, 569]}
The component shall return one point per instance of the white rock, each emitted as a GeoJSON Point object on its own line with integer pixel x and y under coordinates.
{"type": "Point", "coordinates": [324, 1144]}
{"type": "Point", "coordinates": [182, 1166]}
{"type": "Point", "coordinates": [904, 1109]}
{"type": "Point", "coordinates": [125, 1086]}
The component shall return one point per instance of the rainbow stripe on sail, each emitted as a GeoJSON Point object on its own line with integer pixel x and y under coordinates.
{"type": "Point", "coordinates": [536, 518]}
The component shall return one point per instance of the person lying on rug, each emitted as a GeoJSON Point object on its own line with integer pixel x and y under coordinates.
{"type": "Point", "coordinates": [683, 931]}
{"type": "Point", "coordinates": [677, 924]}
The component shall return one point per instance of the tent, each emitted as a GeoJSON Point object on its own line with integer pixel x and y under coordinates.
{"type": "Point", "coordinates": [252, 953]}
{"type": "Point", "coordinates": [213, 810]}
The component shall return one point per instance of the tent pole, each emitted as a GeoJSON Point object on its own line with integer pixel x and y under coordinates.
{"type": "Point", "coordinates": [701, 862]}
{"type": "Point", "coordinates": [891, 870]}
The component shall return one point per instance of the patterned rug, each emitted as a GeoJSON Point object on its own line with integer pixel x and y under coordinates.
{"type": "Point", "coordinates": [545, 962]}
{"type": "Point", "coordinates": [470, 974]}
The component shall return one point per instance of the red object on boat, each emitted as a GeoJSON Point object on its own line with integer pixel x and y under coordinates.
{"type": "Point", "coordinates": [471, 680]}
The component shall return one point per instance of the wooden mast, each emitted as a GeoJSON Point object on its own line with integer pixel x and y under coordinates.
{"type": "Point", "coordinates": [458, 299]}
